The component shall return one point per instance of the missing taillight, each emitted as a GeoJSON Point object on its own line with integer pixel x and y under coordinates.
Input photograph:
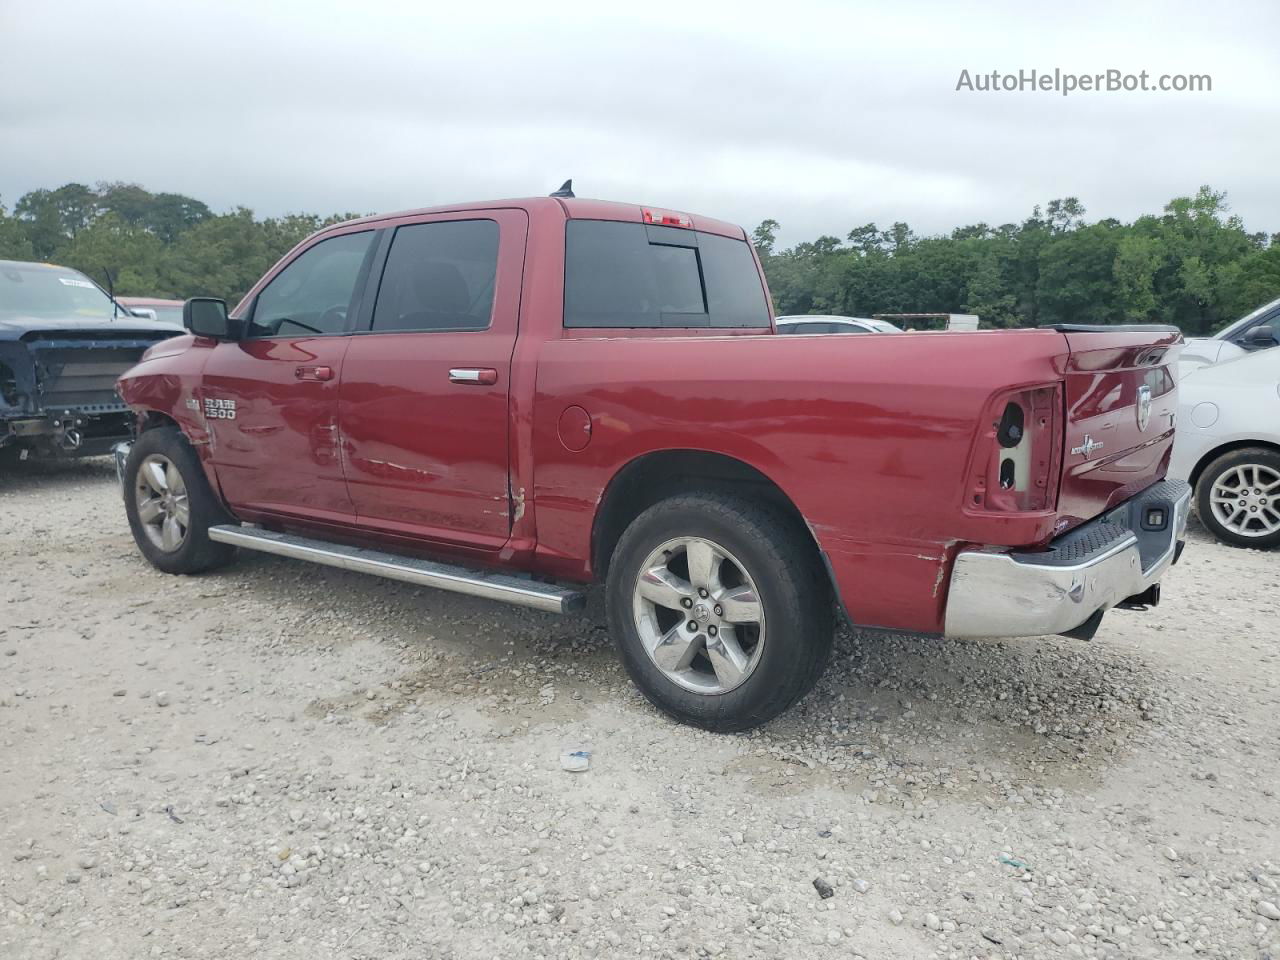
{"type": "Point", "coordinates": [1011, 427]}
{"type": "Point", "coordinates": [1017, 458]}
{"type": "Point", "coordinates": [1008, 474]}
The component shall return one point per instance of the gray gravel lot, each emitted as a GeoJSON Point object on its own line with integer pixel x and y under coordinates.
{"type": "Point", "coordinates": [281, 760]}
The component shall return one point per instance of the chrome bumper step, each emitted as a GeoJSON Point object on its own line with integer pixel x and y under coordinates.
{"type": "Point", "coordinates": [425, 573]}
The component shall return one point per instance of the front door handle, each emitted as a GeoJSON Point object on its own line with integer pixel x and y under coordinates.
{"type": "Point", "coordinates": [481, 375]}
{"type": "Point", "coordinates": [313, 373]}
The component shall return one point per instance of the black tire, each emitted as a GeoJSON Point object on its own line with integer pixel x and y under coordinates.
{"type": "Point", "coordinates": [1249, 456]}
{"type": "Point", "coordinates": [794, 592]}
{"type": "Point", "coordinates": [197, 552]}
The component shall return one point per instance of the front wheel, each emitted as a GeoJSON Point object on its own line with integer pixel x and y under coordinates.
{"type": "Point", "coordinates": [171, 506]}
{"type": "Point", "coordinates": [1238, 498]}
{"type": "Point", "coordinates": [720, 609]}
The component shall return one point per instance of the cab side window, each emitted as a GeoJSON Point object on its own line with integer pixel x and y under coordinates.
{"type": "Point", "coordinates": [439, 276]}
{"type": "Point", "coordinates": [314, 294]}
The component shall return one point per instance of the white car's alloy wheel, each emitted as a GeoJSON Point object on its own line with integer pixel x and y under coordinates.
{"type": "Point", "coordinates": [1246, 500]}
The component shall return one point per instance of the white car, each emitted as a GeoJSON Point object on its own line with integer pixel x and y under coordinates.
{"type": "Point", "coordinates": [1258, 330]}
{"type": "Point", "coordinates": [1227, 445]}
{"type": "Point", "coordinates": [814, 323]}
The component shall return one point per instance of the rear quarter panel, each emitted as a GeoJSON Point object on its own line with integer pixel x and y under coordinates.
{"type": "Point", "coordinates": [868, 436]}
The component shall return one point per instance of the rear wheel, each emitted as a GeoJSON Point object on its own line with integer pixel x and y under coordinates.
{"type": "Point", "coordinates": [1238, 497]}
{"type": "Point", "coordinates": [720, 609]}
{"type": "Point", "coordinates": [171, 506]}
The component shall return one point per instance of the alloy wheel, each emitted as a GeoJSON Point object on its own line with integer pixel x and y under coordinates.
{"type": "Point", "coordinates": [699, 615]}
{"type": "Point", "coordinates": [1246, 500]}
{"type": "Point", "coordinates": [161, 498]}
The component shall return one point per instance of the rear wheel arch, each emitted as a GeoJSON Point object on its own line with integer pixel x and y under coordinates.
{"type": "Point", "coordinates": [660, 475]}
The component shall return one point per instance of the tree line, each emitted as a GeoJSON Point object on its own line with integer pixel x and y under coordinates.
{"type": "Point", "coordinates": [153, 244]}
{"type": "Point", "coordinates": [1194, 264]}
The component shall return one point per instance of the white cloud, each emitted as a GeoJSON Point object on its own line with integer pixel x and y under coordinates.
{"type": "Point", "coordinates": [821, 115]}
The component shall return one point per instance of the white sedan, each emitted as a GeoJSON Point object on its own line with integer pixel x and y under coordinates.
{"type": "Point", "coordinates": [1228, 446]}
{"type": "Point", "coordinates": [1259, 330]}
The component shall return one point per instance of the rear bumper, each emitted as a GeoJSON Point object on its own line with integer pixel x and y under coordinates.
{"type": "Point", "coordinates": [1096, 566]}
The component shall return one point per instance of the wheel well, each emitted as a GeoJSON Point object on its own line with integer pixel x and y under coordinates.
{"type": "Point", "coordinates": [1226, 448]}
{"type": "Point", "coordinates": [656, 476]}
{"type": "Point", "coordinates": [151, 419]}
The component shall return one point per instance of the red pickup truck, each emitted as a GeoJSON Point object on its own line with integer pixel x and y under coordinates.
{"type": "Point", "coordinates": [513, 399]}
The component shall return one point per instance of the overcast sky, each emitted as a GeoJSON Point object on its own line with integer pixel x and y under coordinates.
{"type": "Point", "coordinates": [823, 116]}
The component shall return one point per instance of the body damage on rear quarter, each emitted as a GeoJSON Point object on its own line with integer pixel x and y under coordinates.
{"type": "Point", "coordinates": [869, 439]}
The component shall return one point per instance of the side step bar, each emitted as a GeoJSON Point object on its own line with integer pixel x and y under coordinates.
{"type": "Point", "coordinates": [425, 573]}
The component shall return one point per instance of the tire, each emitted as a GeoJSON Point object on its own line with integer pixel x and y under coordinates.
{"type": "Point", "coordinates": [705, 682]}
{"type": "Point", "coordinates": [191, 550]}
{"type": "Point", "coordinates": [1252, 520]}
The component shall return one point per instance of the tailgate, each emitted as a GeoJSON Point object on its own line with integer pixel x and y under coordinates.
{"type": "Point", "coordinates": [1121, 401]}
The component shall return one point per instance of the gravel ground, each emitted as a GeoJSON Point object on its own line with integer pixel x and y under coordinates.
{"type": "Point", "coordinates": [283, 760]}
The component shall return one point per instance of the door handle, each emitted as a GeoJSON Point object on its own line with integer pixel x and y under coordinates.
{"type": "Point", "coordinates": [481, 375]}
{"type": "Point", "coordinates": [313, 373]}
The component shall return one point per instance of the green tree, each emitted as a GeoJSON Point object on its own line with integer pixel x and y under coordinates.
{"type": "Point", "coordinates": [109, 244]}
{"type": "Point", "coordinates": [42, 222]}
{"type": "Point", "coordinates": [764, 236]}
{"type": "Point", "coordinates": [1134, 268]}
{"type": "Point", "coordinates": [14, 244]}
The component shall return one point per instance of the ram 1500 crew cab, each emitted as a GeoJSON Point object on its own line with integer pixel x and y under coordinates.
{"type": "Point", "coordinates": [514, 399]}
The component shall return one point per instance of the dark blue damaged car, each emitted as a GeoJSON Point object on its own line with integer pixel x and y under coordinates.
{"type": "Point", "coordinates": [63, 343]}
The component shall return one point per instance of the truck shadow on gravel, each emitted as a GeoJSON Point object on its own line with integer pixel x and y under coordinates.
{"type": "Point", "coordinates": [52, 475]}
{"type": "Point", "coordinates": [895, 715]}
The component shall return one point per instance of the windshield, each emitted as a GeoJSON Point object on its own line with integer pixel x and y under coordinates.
{"type": "Point", "coordinates": [34, 290]}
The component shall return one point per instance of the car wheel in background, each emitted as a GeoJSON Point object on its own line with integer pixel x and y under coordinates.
{"type": "Point", "coordinates": [721, 610]}
{"type": "Point", "coordinates": [171, 506]}
{"type": "Point", "coordinates": [1238, 497]}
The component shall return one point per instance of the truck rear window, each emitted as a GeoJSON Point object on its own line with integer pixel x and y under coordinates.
{"type": "Point", "coordinates": [639, 275]}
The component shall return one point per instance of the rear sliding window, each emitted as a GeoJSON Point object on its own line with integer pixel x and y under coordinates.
{"type": "Point", "coordinates": [638, 275]}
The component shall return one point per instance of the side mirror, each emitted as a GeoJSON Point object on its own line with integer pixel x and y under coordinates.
{"type": "Point", "coordinates": [207, 317]}
{"type": "Point", "coordinates": [1262, 335]}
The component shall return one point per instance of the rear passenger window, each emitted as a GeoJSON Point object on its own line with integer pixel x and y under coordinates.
{"type": "Point", "coordinates": [439, 276]}
{"type": "Point", "coordinates": [637, 275]}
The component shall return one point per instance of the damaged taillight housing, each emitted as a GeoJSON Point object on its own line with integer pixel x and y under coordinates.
{"type": "Point", "coordinates": [1018, 453]}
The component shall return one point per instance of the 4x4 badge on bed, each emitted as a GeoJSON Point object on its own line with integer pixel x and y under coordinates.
{"type": "Point", "coordinates": [1088, 446]}
{"type": "Point", "coordinates": [1144, 407]}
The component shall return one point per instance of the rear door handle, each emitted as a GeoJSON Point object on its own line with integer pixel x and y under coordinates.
{"type": "Point", "coordinates": [481, 375]}
{"type": "Point", "coordinates": [313, 373]}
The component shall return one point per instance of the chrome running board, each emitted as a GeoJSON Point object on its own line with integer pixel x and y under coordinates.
{"type": "Point", "coordinates": [425, 573]}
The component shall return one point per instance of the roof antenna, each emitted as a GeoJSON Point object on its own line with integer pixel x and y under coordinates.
{"type": "Point", "coordinates": [566, 189]}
